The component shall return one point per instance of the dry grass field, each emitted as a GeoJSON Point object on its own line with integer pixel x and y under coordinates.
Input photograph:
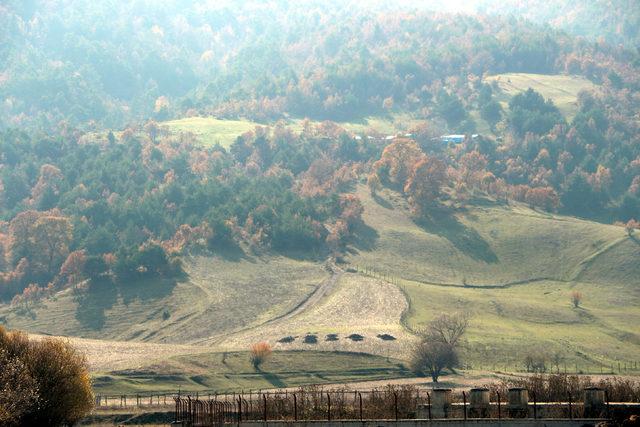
{"type": "Point", "coordinates": [561, 89]}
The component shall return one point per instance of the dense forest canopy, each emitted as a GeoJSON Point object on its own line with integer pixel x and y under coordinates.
{"type": "Point", "coordinates": [78, 62]}
{"type": "Point", "coordinates": [82, 203]}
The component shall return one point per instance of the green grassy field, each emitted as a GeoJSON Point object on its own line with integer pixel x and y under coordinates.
{"type": "Point", "coordinates": [561, 89]}
{"type": "Point", "coordinates": [513, 269]}
{"type": "Point", "coordinates": [510, 267]}
{"type": "Point", "coordinates": [232, 371]}
{"type": "Point", "coordinates": [209, 130]}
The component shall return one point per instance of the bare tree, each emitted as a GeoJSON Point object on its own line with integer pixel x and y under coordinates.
{"type": "Point", "coordinates": [433, 357]}
{"type": "Point", "coordinates": [447, 328]}
{"type": "Point", "coordinates": [535, 362]}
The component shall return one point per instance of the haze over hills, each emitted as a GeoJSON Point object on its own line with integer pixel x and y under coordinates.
{"type": "Point", "coordinates": [181, 180]}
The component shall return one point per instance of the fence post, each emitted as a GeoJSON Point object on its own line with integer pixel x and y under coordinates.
{"type": "Point", "coordinates": [395, 404]}
{"type": "Point", "coordinates": [264, 399]}
{"type": "Point", "coordinates": [464, 404]}
{"type": "Point", "coordinates": [535, 405]}
{"type": "Point", "coordinates": [429, 404]}
{"type": "Point", "coordinates": [499, 411]}
{"type": "Point", "coordinates": [360, 398]}
{"type": "Point", "coordinates": [239, 409]}
{"type": "Point", "coordinates": [295, 407]}
{"type": "Point", "coordinates": [328, 407]}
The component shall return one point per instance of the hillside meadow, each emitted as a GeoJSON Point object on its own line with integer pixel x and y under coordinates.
{"type": "Point", "coordinates": [561, 89]}
{"type": "Point", "coordinates": [512, 268]}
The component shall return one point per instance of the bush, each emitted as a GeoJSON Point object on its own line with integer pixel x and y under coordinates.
{"type": "Point", "coordinates": [42, 382]}
{"type": "Point", "coordinates": [576, 298]}
{"type": "Point", "coordinates": [386, 337]}
{"type": "Point", "coordinates": [331, 337]}
{"type": "Point", "coordinates": [259, 353]}
{"type": "Point", "coordinates": [310, 339]}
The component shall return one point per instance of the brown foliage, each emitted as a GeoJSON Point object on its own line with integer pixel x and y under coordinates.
{"type": "Point", "coordinates": [73, 266]}
{"type": "Point", "coordinates": [576, 298]}
{"type": "Point", "coordinates": [42, 382]}
{"type": "Point", "coordinates": [631, 225]}
{"type": "Point", "coordinates": [558, 387]}
{"type": "Point", "coordinates": [543, 197]}
{"type": "Point", "coordinates": [424, 185]}
{"type": "Point", "coordinates": [396, 162]}
{"type": "Point", "coordinates": [259, 353]}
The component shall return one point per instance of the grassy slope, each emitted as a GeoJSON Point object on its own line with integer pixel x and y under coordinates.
{"type": "Point", "coordinates": [209, 130]}
{"type": "Point", "coordinates": [233, 371]}
{"type": "Point", "coordinates": [220, 296]}
{"type": "Point", "coordinates": [561, 89]}
{"type": "Point", "coordinates": [519, 267]}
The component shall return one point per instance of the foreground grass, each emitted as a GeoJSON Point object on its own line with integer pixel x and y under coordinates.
{"type": "Point", "coordinates": [232, 371]}
{"type": "Point", "coordinates": [561, 89]}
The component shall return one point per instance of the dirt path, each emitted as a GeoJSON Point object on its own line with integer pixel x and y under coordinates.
{"type": "Point", "coordinates": [324, 288]}
{"type": "Point", "coordinates": [313, 299]}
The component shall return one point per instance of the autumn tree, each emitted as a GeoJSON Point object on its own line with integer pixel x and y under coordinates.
{"type": "Point", "coordinates": [424, 185]}
{"type": "Point", "coordinates": [351, 209]}
{"type": "Point", "coordinates": [72, 268]}
{"type": "Point", "coordinates": [472, 167]}
{"type": "Point", "coordinates": [396, 163]}
{"type": "Point", "coordinates": [576, 298]}
{"type": "Point", "coordinates": [259, 353]}
{"type": "Point", "coordinates": [21, 242]}
{"type": "Point", "coordinates": [543, 197]}
{"type": "Point", "coordinates": [373, 182]}
{"type": "Point", "coordinates": [42, 382]}
{"type": "Point", "coordinates": [51, 238]}
{"type": "Point", "coordinates": [631, 225]}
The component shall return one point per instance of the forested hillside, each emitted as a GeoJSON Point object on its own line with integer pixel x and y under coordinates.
{"type": "Point", "coordinates": [84, 204]}
{"type": "Point", "coordinates": [79, 64]}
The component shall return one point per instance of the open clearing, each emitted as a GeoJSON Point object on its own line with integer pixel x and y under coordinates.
{"type": "Point", "coordinates": [561, 89]}
{"type": "Point", "coordinates": [209, 130]}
